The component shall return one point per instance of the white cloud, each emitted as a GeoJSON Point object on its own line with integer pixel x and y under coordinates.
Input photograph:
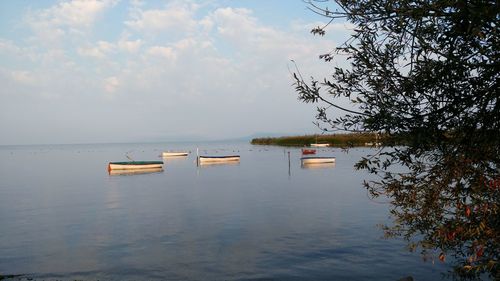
{"type": "Point", "coordinates": [176, 16]}
{"type": "Point", "coordinates": [242, 29]}
{"type": "Point", "coordinates": [260, 64]}
{"type": "Point", "coordinates": [185, 44]}
{"type": "Point", "coordinates": [131, 46]}
{"type": "Point", "coordinates": [206, 24]}
{"type": "Point", "coordinates": [73, 17]}
{"type": "Point", "coordinates": [165, 52]}
{"type": "Point", "coordinates": [76, 13]}
{"type": "Point", "coordinates": [236, 23]}
{"type": "Point", "coordinates": [301, 26]}
{"type": "Point", "coordinates": [8, 47]}
{"type": "Point", "coordinates": [101, 49]}
{"type": "Point", "coordinates": [166, 60]}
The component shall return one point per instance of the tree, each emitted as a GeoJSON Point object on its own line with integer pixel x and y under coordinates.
{"type": "Point", "coordinates": [424, 74]}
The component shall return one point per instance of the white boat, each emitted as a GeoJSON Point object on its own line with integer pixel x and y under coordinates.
{"type": "Point", "coordinates": [320, 144]}
{"type": "Point", "coordinates": [135, 165]}
{"type": "Point", "coordinates": [317, 160]}
{"type": "Point", "coordinates": [218, 159]}
{"type": "Point", "coordinates": [173, 154]}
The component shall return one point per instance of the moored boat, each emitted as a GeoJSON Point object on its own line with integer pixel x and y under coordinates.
{"type": "Point", "coordinates": [320, 144]}
{"type": "Point", "coordinates": [135, 172]}
{"type": "Point", "coordinates": [308, 151]}
{"type": "Point", "coordinates": [174, 154]}
{"type": "Point", "coordinates": [317, 160]}
{"type": "Point", "coordinates": [220, 159]}
{"type": "Point", "coordinates": [135, 165]}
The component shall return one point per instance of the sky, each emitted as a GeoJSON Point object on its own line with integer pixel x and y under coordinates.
{"type": "Point", "coordinates": [100, 71]}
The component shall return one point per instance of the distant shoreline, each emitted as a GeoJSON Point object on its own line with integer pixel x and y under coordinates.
{"type": "Point", "coordinates": [333, 140]}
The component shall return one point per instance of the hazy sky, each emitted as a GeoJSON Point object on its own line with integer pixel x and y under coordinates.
{"type": "Point", "coordinates": [86, 71]}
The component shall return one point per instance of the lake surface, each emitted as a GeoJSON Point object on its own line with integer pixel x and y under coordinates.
{"type": "Point", "coordinates": [62, 216]}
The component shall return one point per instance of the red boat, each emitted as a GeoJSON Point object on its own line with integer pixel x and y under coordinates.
{"type": "Point", "coordinates": [308, 151]}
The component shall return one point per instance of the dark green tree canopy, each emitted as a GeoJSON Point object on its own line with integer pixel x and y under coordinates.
{"type": "Point", "coordinates": [424, 74]}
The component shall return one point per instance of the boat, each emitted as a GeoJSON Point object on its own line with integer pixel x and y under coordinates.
{"type": "Point", "coordinates": [135, 172]}
{"type": "Point", "coordinates": [308, 151]}
{"type": "Point", "coordinates": [134, 165]}
{"type": "Point", "coordinates": [317, 160]}
{"type": "Point", "coordinates": [218, 159]}
{"type": "Point", "coordinates": [317, 144]}
{"type": "Point", "coordinates": [320, 144]}
{"type": "Point", "coordinates": [174, 154]}
{"type": "Point", "coordinates": [376, 143]}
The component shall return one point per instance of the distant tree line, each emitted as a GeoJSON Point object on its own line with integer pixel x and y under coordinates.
{"type": "Point", "coordinates": [334, 140]}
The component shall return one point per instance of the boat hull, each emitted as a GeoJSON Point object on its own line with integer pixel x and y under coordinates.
{"type": "Point", "coordinates": [135, 165]}
{"type": "Point", "coordinates": [174, 154]}
{"type": "Point", "coordinates": [218, 159]}
{"type": "Point", "coordinates": [317, 160]}
{"type": "Point", "coordinates": [308, 151]}
{"type": "Point", "coordinates": [135, 172]}
{"type": "Point", "coordinates": [320, 144]}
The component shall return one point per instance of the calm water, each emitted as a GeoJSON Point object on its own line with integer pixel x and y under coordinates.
{"type": "Point", "coordinates": [62, 216]}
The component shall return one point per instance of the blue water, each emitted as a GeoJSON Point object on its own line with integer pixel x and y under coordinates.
{"type": "Point", "coordinates": [62, 216]}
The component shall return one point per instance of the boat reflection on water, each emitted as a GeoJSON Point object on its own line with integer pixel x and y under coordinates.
{"type": "Point", "coordinates": [317, 165]}
{"type": "Point", "coordinates": [214, 164]}
{"type": "Point", "coordinates": [135, 172]}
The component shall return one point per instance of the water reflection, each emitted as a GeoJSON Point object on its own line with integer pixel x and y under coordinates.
{"type": "Point", "coordinates": [317, 165]}
{"type": "Point", "coordinates": [214, 164]}
{"type": "Point", "coordinates": [234, 221]}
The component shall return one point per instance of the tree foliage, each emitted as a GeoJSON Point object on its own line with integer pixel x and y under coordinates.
{"type": "Point", "coordinates": [426, 72]}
